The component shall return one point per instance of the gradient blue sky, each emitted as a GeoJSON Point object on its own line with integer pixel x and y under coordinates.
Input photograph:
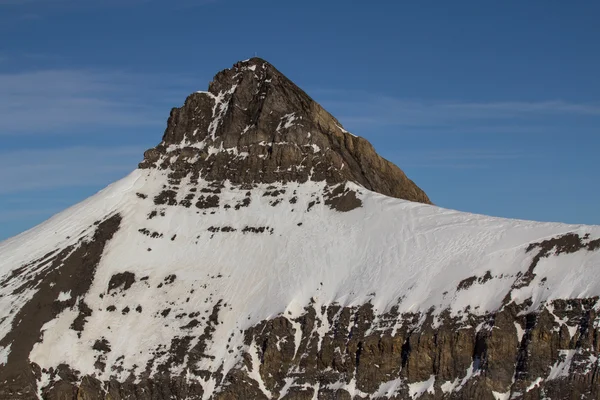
{"type": "Point", "coordinates": [491, 107]}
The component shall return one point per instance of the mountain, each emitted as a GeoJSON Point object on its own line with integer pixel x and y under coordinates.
{"type": "Point", "coordinates": [254, 125]}
{"type": "Point", "coordinates": [261, 251]}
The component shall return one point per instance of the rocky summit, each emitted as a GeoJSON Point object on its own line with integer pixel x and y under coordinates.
{"type": "Point", "coordinates": [261, 251]}
{"type": "Point", "coordinates": [254, 125]}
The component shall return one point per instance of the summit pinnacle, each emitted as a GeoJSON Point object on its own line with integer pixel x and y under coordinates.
{"type": "Point", "coordinates": [255, 125]}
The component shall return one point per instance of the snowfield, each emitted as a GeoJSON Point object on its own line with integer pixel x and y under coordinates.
{"type": "Point", "coordinates": [275, 260]}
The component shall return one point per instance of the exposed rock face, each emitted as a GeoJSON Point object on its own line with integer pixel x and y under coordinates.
{"type": "Point", "coordinates": [255, 125]}
{"type": "Point", "coordinates": [530, 356]}
{"type": "Point", "coordinates": [252, 256]}
{"type": "Point", "coordinates": [336, 352]}
{"type": "Point", "coordinates": [68, 271]}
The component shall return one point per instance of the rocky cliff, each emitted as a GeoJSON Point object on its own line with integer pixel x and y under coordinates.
{"type": "Point", "coordinates": [261, 251]}
{"type": "Point", "coordinates": [255, 125]}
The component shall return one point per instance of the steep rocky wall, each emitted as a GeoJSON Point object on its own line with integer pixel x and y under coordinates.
{"type": "Point", "coordinates": [346, 353]}
{"type": "Point", "coordinates": [68, 271]}
{"type": "Point", "coordinates": [255, 125]}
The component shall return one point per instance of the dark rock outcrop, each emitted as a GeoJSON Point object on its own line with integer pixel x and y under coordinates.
{"type": "Point", "coordinates": [255, 125]}
{"type": "Point", "coordinates": [359, 355]}
{"type": "Point", "coordinates": [70, 271]}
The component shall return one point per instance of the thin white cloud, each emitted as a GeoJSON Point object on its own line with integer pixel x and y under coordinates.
{"type": "Point", "coordinates": [48, 169]}
{"type": "Point", "coordinates": [456, 158]}
{"type": "Point", "coordinates": [62, 101]}
{"type": "Point", "coordinates": [363, 109]}
{"type": "Point", "coordinates": [520, 107]}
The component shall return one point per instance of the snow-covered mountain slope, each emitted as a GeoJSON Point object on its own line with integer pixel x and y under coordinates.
{"type": "Point", "coordinates": [168, 284]}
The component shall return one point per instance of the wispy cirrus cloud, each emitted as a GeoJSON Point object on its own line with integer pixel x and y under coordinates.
{"type": "Point", "coordinates": [48, 169]}
{"type": "Point", "coordinates": [62, 100]}
{"type": "Point", "coordinates": [37, 183]}
{"type": "Point", "coordinates": [369, 110]}
{"type": "Point", "coordinates": [458, 158]}
{"type": "Point", "coordinates": [67, 106]}
{"type": "Point", "coordinates": [520, 107]}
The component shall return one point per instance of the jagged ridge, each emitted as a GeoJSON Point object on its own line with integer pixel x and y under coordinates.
{"type": "Point", "coordinates": [254, 125]}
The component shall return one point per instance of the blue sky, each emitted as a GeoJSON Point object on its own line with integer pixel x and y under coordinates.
{"type": "Point", "coordinates": [491, 107]}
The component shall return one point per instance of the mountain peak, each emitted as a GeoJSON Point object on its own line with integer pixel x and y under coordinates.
{"type": "Point", "coordinates": [254, 125]}
{"type": "Point", "coordinates": [223, 269]}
